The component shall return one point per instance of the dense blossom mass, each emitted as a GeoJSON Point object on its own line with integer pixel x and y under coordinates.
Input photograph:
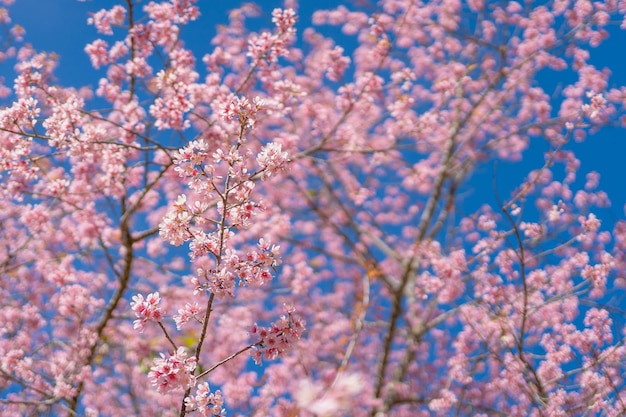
{"type": "Point", "coordinates": [292, 218]}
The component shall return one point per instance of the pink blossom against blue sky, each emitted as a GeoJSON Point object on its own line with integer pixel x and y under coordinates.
{"type": "Point", "coordinates": [60, 26]}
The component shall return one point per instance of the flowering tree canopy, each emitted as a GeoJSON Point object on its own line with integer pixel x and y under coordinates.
{"type": "Point", "coordinates": [283, 225]}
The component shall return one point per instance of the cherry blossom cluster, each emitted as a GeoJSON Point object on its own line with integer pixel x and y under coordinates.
{"type": "Point", "coordinates": [22, 114]}
{"type": "Point", "coordinates": [35, 72]}
{"type": "Point", "coordinates": [61, 124]}
{"type": "Point", "coordinates": [146, 309]}
{"type": "Point", "coordinates": [596, 107]}
{"type": "Point", "coordinates": [174, 371]}
{"type": "Point", "coordinates": [268, 47]}
{"type": "Point", "coordinates": [186, 313]}
{"type": "Point", "coordinates": [241, 109]}
{"type": "Point", "coordinates": [598, 274]}
{"type": "Point", "coordinates": [194, 164]}
{"type": "Point", "coordinates": [104, 19]}
{"type": "Point", "coordinates": [175, 226]}
{"type": "Point", "coordinates": [14, 151]}
{"type": "Point", "coordinates": [169, 110]}
{"type": "Point", "coordinates": [177, 11]}
{"type": "Point", "coordinates": [284, 19]}
{"type": "Point", "coordinates": [590, 224]}
{"type": "Point", "coordinates": [278, 338]}
{"type": "Point", "coordinates": [205, 402]}
{"type": "Point", "coordinates": [272, 159]}
{"type": "Point", "coordinates": [252, 269]}
{"type": "Point", "coordinates": [337, 63]}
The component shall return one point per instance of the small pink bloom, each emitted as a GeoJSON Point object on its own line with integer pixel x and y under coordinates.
{"type": "Point", "coordinates": [145, 310]}
{"type": "Point", "coordinates": [173, 372]}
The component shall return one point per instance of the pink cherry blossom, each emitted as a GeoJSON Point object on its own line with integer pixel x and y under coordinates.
{"type": "Point", "coordinates": [278, 338]}
{"type": "Point", "coordinates": [207, 403]}
{"type": "Point", "coordinates": [173, 371]}
{"type": "Point", "coordinates": [384, 209]}
{"type": "Point", "coordinates": [145, 310]}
